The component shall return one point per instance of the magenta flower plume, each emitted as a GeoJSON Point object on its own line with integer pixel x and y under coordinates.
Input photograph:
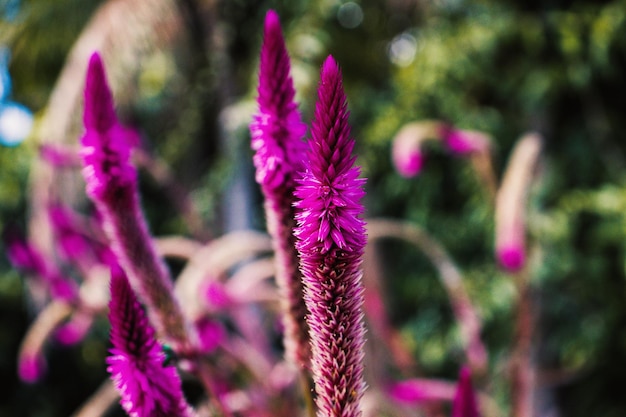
{"type": "Point", "coordinates": [277, 132]}
{"type": "Point", "coordinates": [277, 129]}
{"type": "Point", "coordinates": [111, 184]}
{"type": "Point", "coordinates": [105, 150]}
{"type": "Point", "coordinates": [148, 387]}
{"type": "Point", "coordinates": [465, 403]}
{"type": "Point", "coordinates": [331, 241]}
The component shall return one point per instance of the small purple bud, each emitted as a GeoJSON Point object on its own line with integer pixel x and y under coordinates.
{"type": "Point", "coordinates": [415, 391]}
{"type": "Point", "coordinates": [512, 258]}
{"type": "Point", "coordinates": [217, 296]}
{"type": "Point", "coordinates": [464, 142]}
{"type": "Point", "coordinates": [211, 334]}
{"type": "Point", "coordinates": [31, 368]}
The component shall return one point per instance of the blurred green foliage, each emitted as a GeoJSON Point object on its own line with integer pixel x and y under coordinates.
{"type": "Point", "coordinates": [504, 67]}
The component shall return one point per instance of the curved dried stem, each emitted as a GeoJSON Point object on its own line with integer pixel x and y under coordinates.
{"type": "Point", "coordinates": [177, 247]}
{"type": "Point", "coordinates": [40, 331]}
{"type": "Point", "coordinates": [100, 401]}
{"type": "Point", "coordinates": [451, 278]}
{"type": "Point", "coordinates": [215, 259]}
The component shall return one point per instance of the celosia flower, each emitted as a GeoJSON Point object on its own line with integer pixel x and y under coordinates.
{"type": "Point", "coordinates": [105, 149]}
{"type": "Point", "coordinates": [148, 386]}
{"type": "Point", "coordinates": [111, 184]}
{"type": "Point", "coordinates": [331, 241]}
{"type": "Point", "coordinates": [511, 204]}
{"type": "Point", "coordinates": [407, 153]}
{"type": "Point", "coordinates": [277, 129]}
{"type": "Point", "coordinates": [465, 404]}
{"type": "Point", "coordinates": [277, 132]}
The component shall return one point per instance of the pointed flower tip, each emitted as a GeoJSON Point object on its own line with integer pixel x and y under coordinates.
{"type": "Point", "coordinates": [512, 258]}
{"type": "Point", "coordinates": [465, 403]}
{"type": "Point", "coordinates": [99, 113]}
{"type": "Point", "coordinates": [106, 145]}
{"type": "Point", "coordinates": [277, 128]}
{"type": "Point", "coordinates": [330, 67]}
{"type": "Point", "coordinates": [272, 22]}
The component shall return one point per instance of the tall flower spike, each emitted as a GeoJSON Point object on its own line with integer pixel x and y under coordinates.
{"type": "Point", "coordinates": [331, 240]}
{"type": "Point", "coordinates": [277, 132]}
{"type": "Point", "coordinates": [465, 404]}
{"type": "Point", "coordinates": [111, 184]}
{"type": "Point", "coordinates": [148, 387]}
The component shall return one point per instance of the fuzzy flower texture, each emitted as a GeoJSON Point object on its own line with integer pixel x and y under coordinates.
{"type": "Point", "coordinates": [277, 128]}
{"type": "Point", "coordinates": [277, 132]}
{"type": "Point", "coordinates": [105, 150]}
{"type": "Point", "coordinates": [331, 240]}
{"type": "Point", "coordinates": [148, 387]}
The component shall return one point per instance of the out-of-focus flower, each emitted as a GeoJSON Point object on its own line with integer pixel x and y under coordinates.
{"type": "Point", "coordinates": [111, 182]}
{"type": "Point", "coordinates": [511, 204]}
{"type": "Point", "coordinates": [463, 142]}
{"type": "Point", "coordinates": [407, 153]}
{"type": "Point", "coordinates": [417, 390]}
{"type": "Point", "coordinates": [26, 258]}
{"type": "Point", "coordinates": [331, 240]}
{"type": "Point", "coordinates": [465, 403]}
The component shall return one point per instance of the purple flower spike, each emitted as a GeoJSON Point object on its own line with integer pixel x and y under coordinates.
{"type": "Point", "coordinates": [105, 151]}
{"type": "Point", "coordinates": [111, 184]}
{"type": "Point", "coordinates": [465, 403]}
{"type": "Point", "coordinates": [331, 241]}
{"type": "Point", "coordinates": [277, 128]}
{"type": "Point", "coordinates": [147, 386]}
{"type": "Point", "coordinates": [277, 132]}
